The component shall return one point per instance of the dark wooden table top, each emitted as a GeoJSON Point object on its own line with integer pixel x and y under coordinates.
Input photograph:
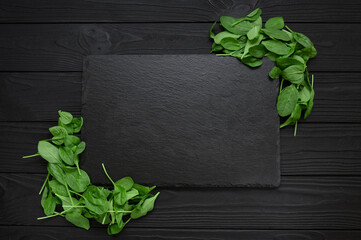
{"type": "Point", "coordinates": [42, 44]}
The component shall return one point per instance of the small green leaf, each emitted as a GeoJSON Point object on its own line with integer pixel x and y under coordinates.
{"type": "Point", "coordinates": [211, 33]}
{"type": "Point", "coordinates": [71, 140]}
{"type": "Point", "coordinates": [230, 44]}
{"type": "Point", "coordinates": [271, 56]}
{"type": "Point", "coordinates": [251, 43]}
{"type": "Point", "coordinates": [218, 38]}
{"type": "Point", "coordinates": [57, 172]}
{"type": "Point", "coordinates": [65, 117]}
{"type": "Point", "coordinates": [116, 228]}
{"type": "Point", "coordinates": [77, 124]}
{"type": "Point", "coordinates": [275, 72]}
{"type": "Point", "coordinates": [309, 108]}
{"type": "Point", "coordinates": [58, 188]}
{"type": "Point", "coordinates": [303, 40]}
{"type": "Point", "coordinates": [287, 100]}
{"type": "Point", "coordinates": [276, 46]}
{"type": "Point", "coordinates": [278, 34]}
{"type": "Point", "coordinates": [216, 47]}
{"type": "Point", "coordinates": [253, 33]}
{"type": "Point", "coordinates": [293, 119]}
{"type": "Point", "coordinates": [283, 62]}
{"type": "Point", "coordinates": [80, 148]}
{"type": "Point", "coordinates": [78, 220]}
{"type": "Point", "coordinates": [48, 201]}
{"type": "Point", "coordinates": [307, 53]}
{"type": "Point", "coordinates": [86, 213]}
{"type": "Point", "coordinates": [254, 15]}
{"type": "Point", "coordinates": [294, 74]}
{"type": "Point", "coordinates": [96, 199]}
{"type": "Point", "coordinates": [240, 28]}
{"type": "Point", "coordinates": [227, 23]}
{"type": "Point", "coordinates": [67, 155]}
{"type": "Point", "coordinates": [296, 113]}
{"type": "Point", "coordinates": [312, 95]}
{"type": "Point", "coordinates": [275, 23]}
{"type": "Point", "coordinates": [146, 207]}
{"type": "Point", "coordinates": [304, 94]}
{"type": "Point", "coordinates": [120, 195]}
{"type": "Point", "coordinates": [59, 134]}
{"type": "Point", "coordinates": [125, 182]}
{"type": "Point", "coordinates": [49, 152]}
{"type": "Point", "coordinates": [77, 182]}
{"type": "Point", "coordinates": [131, 194]}
{"type": "Point", "coordinates": [103, 218]}
{"type": "Point", "coordinates": [143, 190]}
{"type": "Point", "coordinates": [67, 203]}
{"type": "Point", "coordinates": [258, 51]}
{"type": "Point", "coordinates": [68, 127]}
{"type": "Point", "coordinates": [289, 121]}
{"type": "Point", "coordinates": [252, 61]}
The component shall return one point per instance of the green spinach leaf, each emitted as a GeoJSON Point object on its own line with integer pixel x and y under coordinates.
{"type": "Point", "coordinates": [77, 124]}
{"type": "Point", "coordinates": [258, 51]}
{"type": "Point", "coordinates": [275, 23]}
{"type": "Point", "coordinates": [58, 188]}
{"type": "Point", "coordinates": [252, 61]}
{"type": "Point", "coordinates": [275, 72]}
{"type": "Point", "coordinates": [146, 207]}
{"type": "Point", "coordinates": [287, 100]}
{"type": "Point", "coordinates": [67, 155]}
{"type": "Point", "coordinates": [48, 201]}
{"type": "Point", "coordinates": [65, 117]}
{"type": "Point", "coordinates": [294, 74]}
{"type": "Point", "coordinates": [78, 220]}
{"type": "Point", "coordinates": [49, 152]}
{"type": "Point", "coordinates": [276, 47]}
{"type": "Point", "coordinates": [59, 134]}
{"type": "Point", "coordinates": [253, 33]}
{"type": "Point", "coordinates": [231, 44]}
{"type": "Point", "coordinates": [76, 181]}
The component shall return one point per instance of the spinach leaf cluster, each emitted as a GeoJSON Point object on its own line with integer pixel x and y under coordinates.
{"type": "Point", "coordinates": [68, 192]}
{"type": "Point", "coordinates": [246, 39]}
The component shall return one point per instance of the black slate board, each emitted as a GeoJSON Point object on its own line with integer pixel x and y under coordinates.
{"type": "Point", "coordinates": [180, 120]}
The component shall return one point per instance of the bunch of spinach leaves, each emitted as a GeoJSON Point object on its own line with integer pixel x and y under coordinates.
{"type": "Point", "coordinates": [246, 39]}
{"type": "Point", "coordinates": [67, 190]}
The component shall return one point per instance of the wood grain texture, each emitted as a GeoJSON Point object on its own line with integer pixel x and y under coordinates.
{"type": "Point", "coordinates": [181, 120]}
{"type": "Point", "coordinates": [68, 233]}
{"type": "Point", "coordinates": [175, 11]}
{"type": "Point", "coordinates": [61, 47]}
{"type": "Point", "coordinates": [329, 203]}
{"type": "Point", "coordinates": [37, 96]}
{"type": "Point", "coordinates": [319, 149]}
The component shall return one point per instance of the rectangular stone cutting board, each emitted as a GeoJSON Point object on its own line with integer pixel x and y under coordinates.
{"type": "Point", "coordinates": [180, 120]}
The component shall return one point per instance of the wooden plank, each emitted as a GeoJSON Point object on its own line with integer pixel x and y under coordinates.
{"type": "Point", "coordinates": [322, 149]}
{"type": "Point", "coordinates": [329, 203]}
{"type": "Point", "coordinates": [37, 96]}
{"type": "Point", "coordinates": [61, 47]}
{"type": "Point", "coordinates": [46, 233]}
{"type": "Point", "coordinates": [175, 11]}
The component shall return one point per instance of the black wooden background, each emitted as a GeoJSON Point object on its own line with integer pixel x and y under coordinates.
{"type": "Point", "coordinates": [42, 44]}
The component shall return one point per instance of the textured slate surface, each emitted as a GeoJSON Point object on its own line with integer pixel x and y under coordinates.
{"type": "Point", "coordinates": [180, 120]}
